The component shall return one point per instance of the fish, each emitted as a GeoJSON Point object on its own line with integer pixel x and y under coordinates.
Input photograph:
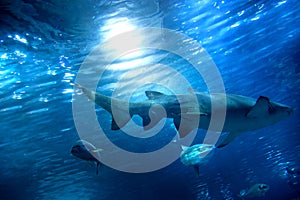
{"type": "Point", "coordinates": [243, 113]}
{"type": "Point", "coordinates": [256, 190]}
{"type": "Point", "coordinates": [86, 151]}
{"type": "Point", "coordinates": [196, 155]}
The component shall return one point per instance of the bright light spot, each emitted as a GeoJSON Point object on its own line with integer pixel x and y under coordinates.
{"type": "Point", "coordinates": [37, 111]}
{"type": "Point", "coordinates": [122, 44]}
{"type": "Point", "coordinates": [137, 62]}
{"type": "Point", "coordinates": [20, 54]}
{"type": "Point", "coordinates": [4, 56]}
{"type": "Point", "coordinates": [116, 26]}
{"type": "Point", "coordinates": [280, 3]}
{"type": "Point", "coordinates": [241, 13]}
{"type": "Point", "coordinates": [254, 18]}
{"type": "Point", "coordinates": [119, 43]}
{"type": "Point", "coordinates": [51, 72]}
{"type": "Point", "coordinates": [43, 99]}
{"type": "Point", "coordinates": [68, 75]}
{"type": "Point", "coordinates": [66, 91]}
{"type": "Point", "coordinates": [17, 96]}
{"type": "Point", "coordinates": [235, 25]}
{"type": "Point", "coordinates": [18, 38]}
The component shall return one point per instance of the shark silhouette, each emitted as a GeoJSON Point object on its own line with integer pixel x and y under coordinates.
{"type": "Point", "coordinates": [242, 113]}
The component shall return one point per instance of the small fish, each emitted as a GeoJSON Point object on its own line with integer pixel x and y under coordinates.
{"type": "Point", "coordinates": [86, 151]}
{"type": "Point", "coordinates": [196, 155]}
{"type": "Point", "coordinates": [257, 190]}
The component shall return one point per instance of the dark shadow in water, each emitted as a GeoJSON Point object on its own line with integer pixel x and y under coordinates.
{"type": "Point", "coordinates": [16, 188]}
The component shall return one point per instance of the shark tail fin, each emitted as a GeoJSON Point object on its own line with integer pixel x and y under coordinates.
{"type": "Point", "coordinates": [116, 107]}
{"type": "Point", "coordinates": [90, 94]}
{"type": "Point", "coordinates": [155, 115]}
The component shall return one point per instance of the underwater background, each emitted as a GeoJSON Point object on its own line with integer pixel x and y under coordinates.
{"type": "Point", "coordinates": [254, 44]}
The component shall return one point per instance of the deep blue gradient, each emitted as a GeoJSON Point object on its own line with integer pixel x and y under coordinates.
{"type": "Point", "coordinates": [255, 45]}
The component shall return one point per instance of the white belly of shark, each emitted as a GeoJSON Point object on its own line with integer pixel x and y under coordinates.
{"type": "Point", "coordinates": [242, 113]}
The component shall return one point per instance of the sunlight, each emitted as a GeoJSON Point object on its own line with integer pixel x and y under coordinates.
{"type": "Point", "coordinates": [124, 46]}
{"type": "Point", "coordinates": [115, 26]}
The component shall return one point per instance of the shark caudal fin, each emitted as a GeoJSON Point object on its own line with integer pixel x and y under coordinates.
{"type": "Point", "coordinates": [117, 108]}
{"type": "Point", "coordinates": [89, 93]}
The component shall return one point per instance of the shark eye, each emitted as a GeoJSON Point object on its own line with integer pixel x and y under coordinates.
{"type": "Point", "coordinates": [262, 187]}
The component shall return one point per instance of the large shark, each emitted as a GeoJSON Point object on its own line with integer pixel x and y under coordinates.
{"type": "Point", "coordinates": [242, 113]}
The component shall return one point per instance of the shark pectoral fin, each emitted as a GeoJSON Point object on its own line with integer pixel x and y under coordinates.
{"type": "Point", "coordinates": [114, 126]}
{"type": "Point", "coordinates": [156, 114]}
{"type": "Point", "coordinates": [146, 121]}
{"type": "Point", "coordinates": [261, 108]}
{"type": "Point", "coordinates": [230, 137]}
{"type": "Point", "coordinates": [197, 169]}
{"type": "Point", "coordinates": [184, 126]}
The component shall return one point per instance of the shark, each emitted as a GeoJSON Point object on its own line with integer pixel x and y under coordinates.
{"type": "Point", "coordinates": [243, 113]}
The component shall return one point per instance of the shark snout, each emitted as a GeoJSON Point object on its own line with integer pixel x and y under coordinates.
{"type": "Point", "coordinates": [75, 150]}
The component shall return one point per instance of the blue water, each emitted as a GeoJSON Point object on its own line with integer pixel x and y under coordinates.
{"type": "Point", "coordinates": [255, 45]}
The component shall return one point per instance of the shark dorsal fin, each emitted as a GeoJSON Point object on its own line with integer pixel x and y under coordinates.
{"type": "Point", "coordinates": [153, 94]}
{"type": "Point", "coordinates": [261, 108]}
{"type": "Point", "coordinates": [187, 127]}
